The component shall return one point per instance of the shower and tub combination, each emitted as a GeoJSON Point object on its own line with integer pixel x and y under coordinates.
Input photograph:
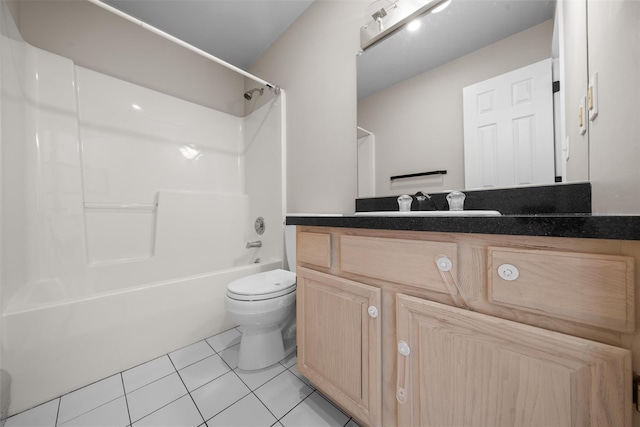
{"type": "Point", "coordinates": [126, 213]}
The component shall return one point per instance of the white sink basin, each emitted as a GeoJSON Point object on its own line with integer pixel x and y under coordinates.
{"type": "Point", "coordinates": [430, 213]}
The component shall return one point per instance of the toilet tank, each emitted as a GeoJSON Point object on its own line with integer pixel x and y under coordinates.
{"type": "Point", "coordinates": [290, 246]}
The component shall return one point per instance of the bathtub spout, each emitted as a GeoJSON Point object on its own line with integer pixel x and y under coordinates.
{"type": "Point", "coordinates": [256, 244]}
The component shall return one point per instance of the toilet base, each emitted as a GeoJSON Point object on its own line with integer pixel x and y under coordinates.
{"type": "Point", "coordinates": [260, 348]}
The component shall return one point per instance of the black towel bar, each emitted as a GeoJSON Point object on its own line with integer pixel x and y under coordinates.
{"type": "Point", "coordinates": [413, 175]}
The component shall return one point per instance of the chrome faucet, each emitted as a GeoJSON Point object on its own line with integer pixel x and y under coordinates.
{"type": "Point", "coordinates": [256, 244]}
{"type": "Point", "coordinates": [422, 198]}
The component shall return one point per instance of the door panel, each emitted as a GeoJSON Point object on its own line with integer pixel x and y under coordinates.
{"type": "Point", "coordinates": [339, 342]}
{"type": "Point", "coordinates": [469, 369]}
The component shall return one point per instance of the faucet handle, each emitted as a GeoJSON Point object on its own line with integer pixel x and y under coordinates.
{"type": "Point", "coordinates": [404, 203]}
{"type": "Point", "coordinates": [456, 200]}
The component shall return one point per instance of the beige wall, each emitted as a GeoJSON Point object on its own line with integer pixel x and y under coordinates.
{"type": "Point", "coordinates": [314, 60]}
{"type": "Point", "coordinates": [99, 40]}
{"type": "Point", "coordinates": [614, 136]}
{"type": "Point", "coordinates": [14, 9]}
{"type": "Point", "coordinates": [418, 124]}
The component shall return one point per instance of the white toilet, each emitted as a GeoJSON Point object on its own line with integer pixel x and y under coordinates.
{"type": "Point", "coordinates": [264, 304]}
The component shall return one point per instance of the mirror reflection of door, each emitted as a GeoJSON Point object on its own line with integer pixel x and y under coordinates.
{"type": "Point", "coordinates": [366, 163]}
{"type": "Point", "coordinates": [508, 129]}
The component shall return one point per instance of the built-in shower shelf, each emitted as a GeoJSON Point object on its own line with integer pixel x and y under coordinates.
{"type": "Point", "coordinates": [120, 232]}
{"type": "Point", "coordinates": [121, 206]}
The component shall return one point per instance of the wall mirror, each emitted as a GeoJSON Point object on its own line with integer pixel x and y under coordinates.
{"type": "Point", "coordinates": [410, 89]}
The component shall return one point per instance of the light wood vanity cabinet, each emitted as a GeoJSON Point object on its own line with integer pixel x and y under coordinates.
{"type": "Point", "coordinates": [547, 349]}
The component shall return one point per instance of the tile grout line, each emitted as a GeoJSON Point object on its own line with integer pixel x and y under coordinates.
{"type": "Point", "coordinates": [163, 406]}
{"type": "Point", "coordinates": [90, 410]}
{"type": "Point", "coordinates": [58, 411]}
{"type": "Point", "coordinates": [257, 397]}
{"type": "Point", "coordinates": [209, 344]}
{"type": "Point", "coordinates": [294, 406]}
{"type": "Point", "coordinates": [208, 382]}
{"type": "Point", "coordinates": [173, 401]}
{"type": "Point", "coordinates": [126, 401]}
{"type": "Point", "coordinates": [215, 353]}
{"type": "Point", "coordinates": [313, 390]}
{"type": "Point", "coordinates": [73, 391]}
{"type": "Point", "coordinates": [149, 383]}
{"type": "Point", "coordinates": [188, 392]}
{"type": "Point", "coordinates": [144, 363]}
{"type": "Point", "coordinates": [213, 379]}
{"type": "Point", "coordinates": [230, 405]}
{"type": "Point", "coordinates": [286, 369]}
{"type": "Point", "coordinates": [236, 374]}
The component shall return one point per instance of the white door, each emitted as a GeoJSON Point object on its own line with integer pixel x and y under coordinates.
{"type": "Point", "coordinates": [508, 129]}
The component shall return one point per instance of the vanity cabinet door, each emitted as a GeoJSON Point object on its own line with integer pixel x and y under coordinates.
{"type": "Point", "coordinates": [339, 341]}
{"type": "Point", "coordinates": [469, 369]}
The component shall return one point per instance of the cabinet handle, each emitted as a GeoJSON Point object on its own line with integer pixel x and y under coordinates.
{"type": "Point", "coordinates": [402, 372]}
{"type": "Point", "coordinates": [445, 265]}
{"type": "Point", "coordinates": [373, 311]}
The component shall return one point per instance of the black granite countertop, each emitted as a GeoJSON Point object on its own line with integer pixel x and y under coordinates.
{"type": "Point", "coordinates": [588, 226]}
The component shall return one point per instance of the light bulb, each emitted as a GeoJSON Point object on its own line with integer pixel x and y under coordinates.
{"type": "Point", "coordinates": [441, 7]}
{"type": "Point", "coordinates": [414, 25]}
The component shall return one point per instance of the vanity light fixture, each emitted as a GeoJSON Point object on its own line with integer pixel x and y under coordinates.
{"type": "Point", "coordinates": [377, 16]}
{"type": "Point", "coordinates": [392, 17]}
{"type": "Point", "coordinates": [380, 11]}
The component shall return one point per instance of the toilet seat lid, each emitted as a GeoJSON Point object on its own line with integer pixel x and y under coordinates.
{"type": "Point", "coordinates": [267, 284]}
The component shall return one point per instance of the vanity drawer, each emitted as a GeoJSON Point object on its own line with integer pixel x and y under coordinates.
{"type": "Point", "coordinates": [408, 262]}
{"type": "Point", "coordinates": [314, 248]}
{"type": "Point", "coordinates": [592, 289]}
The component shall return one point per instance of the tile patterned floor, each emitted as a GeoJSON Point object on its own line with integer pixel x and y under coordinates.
{"type": "Point", "coordinates": [200, 386]}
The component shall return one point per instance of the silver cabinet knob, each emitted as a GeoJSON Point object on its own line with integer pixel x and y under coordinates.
{"type": "Point", "coordinates": [444, 263]}
{"type": "Point", "coordinates": [508, 272]}
{"type": "Point", "coordinates": [373, 312]}
{"type": "Point", "coordinates": [403, 348]}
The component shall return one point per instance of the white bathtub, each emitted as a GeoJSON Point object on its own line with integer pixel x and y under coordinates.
{"type": "Point", "coordinates": [53, 348]}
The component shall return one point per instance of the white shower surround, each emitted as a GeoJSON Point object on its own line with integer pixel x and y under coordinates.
{"type": "Point", "coordinates": [125, 214]}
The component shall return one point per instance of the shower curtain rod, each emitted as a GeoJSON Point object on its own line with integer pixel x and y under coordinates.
{"type": "Point", "coordinates": [179, 42]}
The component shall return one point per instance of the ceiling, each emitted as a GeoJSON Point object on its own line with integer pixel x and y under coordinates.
{"type": "Point", "coordinates": [239, 31]}
{"type": "Point", "coordinates": [236, 31]}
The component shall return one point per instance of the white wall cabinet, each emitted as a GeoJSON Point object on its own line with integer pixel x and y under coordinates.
{"type": "Point", "coordinates": [558, 357]}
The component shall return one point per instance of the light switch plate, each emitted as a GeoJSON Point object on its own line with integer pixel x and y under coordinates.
{"type": "Point", "coordinates": [593, 97]}
{"type": "Point", "coordinates": [582, 115]}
